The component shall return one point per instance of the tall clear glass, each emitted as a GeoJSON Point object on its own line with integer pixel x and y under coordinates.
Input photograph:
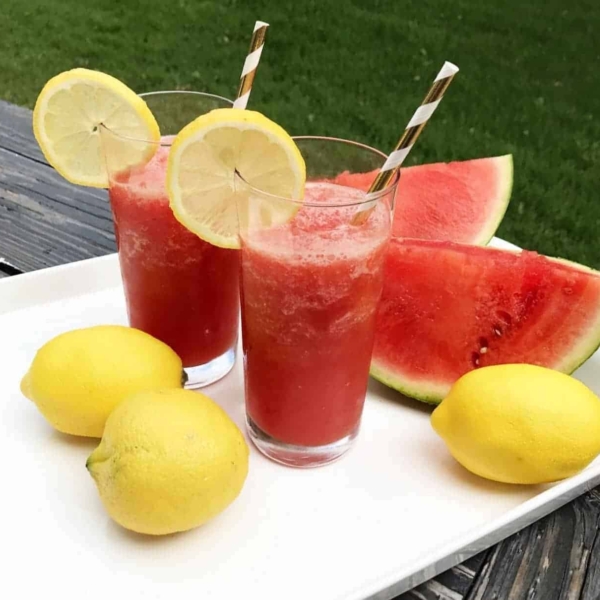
{"type": "Point", "coordinates": [309, 291]}
{"type": "Point", "coordinates": [178, 288]}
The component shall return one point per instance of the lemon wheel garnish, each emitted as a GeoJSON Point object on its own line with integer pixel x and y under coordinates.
{"type": "Point", "coordinates": [67, 120]}
{"type": "Point", "coordinates": [201, 166]}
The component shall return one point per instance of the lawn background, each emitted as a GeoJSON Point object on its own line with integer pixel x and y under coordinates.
{"type": "Point", "coordinates": [529, 81]}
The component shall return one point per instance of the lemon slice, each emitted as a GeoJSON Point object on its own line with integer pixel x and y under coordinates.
{"type": "Point", "coordinates": [67, 120]}
{"type": "Point", "coordinates": [201, 166]}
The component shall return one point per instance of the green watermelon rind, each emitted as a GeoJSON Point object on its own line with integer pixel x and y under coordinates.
{"type": "Point", "coordinates": [426, 392]}
{"type": "Point", "coordinates": [588, 349]}
{"type": "Point", "coordinates": [505, 165]}
{"type": "Point", "coordinates": [417, 393]}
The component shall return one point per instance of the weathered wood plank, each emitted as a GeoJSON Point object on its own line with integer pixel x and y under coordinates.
{"type": "Point", "coordinates": [16, 131]}
{"type": "Point", "coordinates": [7, 269]}
{"type": "Point", "coordinates": [547, 561]}
{"type": "Point", "coordinates": [453, 584]}
{"type": "Point", "coordinates": [591, 585]}
{"type": "Point", "coordinates": [20, 174]}
{"type": "Point", "coordinates": [46, 221]}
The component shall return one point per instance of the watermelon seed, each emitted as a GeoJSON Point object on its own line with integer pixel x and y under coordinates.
{"type": "Point", "coordinates": [483, 343]}
{"type": "Point", "coordinates": [498, 331]}
{"type": "Point", "coordinates": [504, 316]}
{"type": "Point", "coordinates": [475, 359]}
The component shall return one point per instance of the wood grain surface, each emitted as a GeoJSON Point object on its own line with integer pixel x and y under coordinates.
{"type": "Point", "coordinates": [46, 221]}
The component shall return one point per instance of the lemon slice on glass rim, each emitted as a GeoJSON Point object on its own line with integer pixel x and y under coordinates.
{"type": "Point", "coordinates": [68, 116]}
{"type": "Point", "coordinates": [201, 166]}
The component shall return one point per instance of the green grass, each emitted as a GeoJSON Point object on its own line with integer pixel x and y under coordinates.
{"type": "Point", "coordinates": [528, 84]}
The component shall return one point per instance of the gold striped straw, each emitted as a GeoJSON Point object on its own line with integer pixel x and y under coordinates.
{"type": "Point", "coordinates": [409, 137]}
{"type": "Point", "coordinates": [415, 126]}
{"type": "Point", "coordinates": [257, 44]}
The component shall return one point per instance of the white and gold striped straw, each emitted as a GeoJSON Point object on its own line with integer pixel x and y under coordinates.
{"type": "Point", "coordinates": [409, 137]}
{"type": "Point", "coordinates": [415, 126]}
{"type": "Point", "coordinates": [257, 44]}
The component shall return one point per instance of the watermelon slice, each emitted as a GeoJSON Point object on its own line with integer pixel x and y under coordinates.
{"type": "Point", "coordinates": [459, 201]}
{"type": "Point", "coordinates": [447, 309]}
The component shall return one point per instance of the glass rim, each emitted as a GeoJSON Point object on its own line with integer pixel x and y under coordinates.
{"type": "Point", "coordinates": [391, 187]}
{"type": "Point", "coordinates": [164, 93]}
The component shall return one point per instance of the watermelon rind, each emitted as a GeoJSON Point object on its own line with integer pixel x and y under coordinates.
{"type": "Point", "coordinates": [591, 343]}
{"type": "Point", "coordinates": [416, 391]}
{"type": "Point", "coordinates": [432, 393]}
{"type": "Point", "coordinates": [505, 167]}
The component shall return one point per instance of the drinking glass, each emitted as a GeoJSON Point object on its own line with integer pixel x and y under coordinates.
{"type": "Point", "coordinates": [178, 287]}
{"type": "Point", "coordinates": [309, 293]}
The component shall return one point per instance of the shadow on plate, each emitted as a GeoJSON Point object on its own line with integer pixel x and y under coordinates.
{"type": "Point", "coordinates": [385, 393]}
{"type": "Point", "coordinates": [588, 374]}
{"type": "Point", "coordinates": [120, 534]}
{"type": "Point", "coordinates": [74, 441]}
{"type": "Point", "coordinates": [441, 460]}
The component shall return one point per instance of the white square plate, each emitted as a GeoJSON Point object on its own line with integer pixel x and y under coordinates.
{"type": "Point", "coordinates": [392, 513]}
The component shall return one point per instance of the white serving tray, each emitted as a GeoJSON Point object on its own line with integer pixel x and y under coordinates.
{"type": "Point", "coordinates": [392, 513]}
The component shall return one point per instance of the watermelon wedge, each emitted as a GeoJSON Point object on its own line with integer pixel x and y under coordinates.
{"type": "Point", "coordinates": [448, 308]}
{"type": "Point", "coordinates": [461, 201]}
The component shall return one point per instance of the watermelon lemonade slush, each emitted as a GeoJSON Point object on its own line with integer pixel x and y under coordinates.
{"type": "Point", "coordinates": [310, 289]}
{"type": "Point", "coordinates": [179, 288]}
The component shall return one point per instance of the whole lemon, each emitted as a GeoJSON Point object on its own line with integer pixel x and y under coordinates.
{"type": "Point", "coordinates": [520, 424]}
{"type": "Point", "coordinates": [169, 461]}
{"type": "Point", "coordinates": [78, 377]}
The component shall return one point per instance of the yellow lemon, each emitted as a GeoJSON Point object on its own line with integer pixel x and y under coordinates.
{"type": "Point", "coordinates": [77, 378]}
{"type": "Point", "coordinates": [169, 461]}
{"type": "Point", "coordinates": [202, 162]}
{"type": "Point", "coordinates": [70, 114]}
{"type": "Point", "coordinates": [520, 424]}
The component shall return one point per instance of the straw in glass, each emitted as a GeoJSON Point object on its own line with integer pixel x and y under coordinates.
{"type": "Point", "coordinates": [411, 133]}
{"type": "Point", "coordinates": [251, 64]}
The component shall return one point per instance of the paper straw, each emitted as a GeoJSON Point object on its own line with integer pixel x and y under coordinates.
{"type": "Point", "coordinates": [415, 126]}
{"type": "Point", "coordinates": [251, 64]}
{"type": "Point", "coordinates": [409, 137]}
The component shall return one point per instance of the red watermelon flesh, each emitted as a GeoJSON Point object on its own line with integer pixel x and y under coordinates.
{"type": "Point", "coordinates": [447, 309]}
{"type": "Point", "coordinates": [462, 201]}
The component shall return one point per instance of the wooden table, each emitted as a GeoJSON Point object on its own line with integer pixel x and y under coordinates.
{"type": "Point", "coordinates": [45, 221]}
